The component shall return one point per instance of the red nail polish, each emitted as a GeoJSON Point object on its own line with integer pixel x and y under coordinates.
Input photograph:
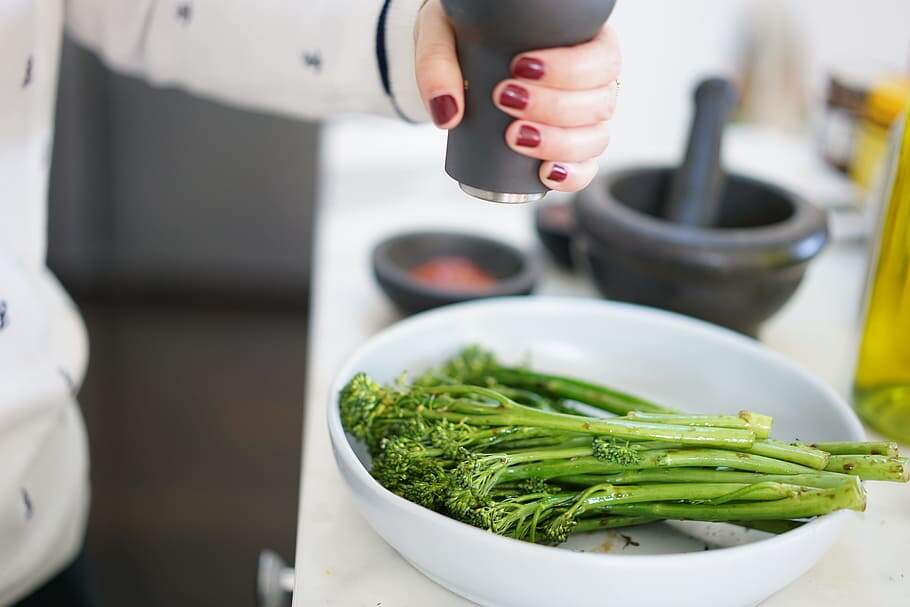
{"type": "Point", "coordinates": [514, 96]}
{"type": "Point", "coordinates": [558, 173]}
{"type": "Point", "coordinates": [528, 137]}
{"type": "Point", "coordinates": [443, 108]}
{"type": "Point", "coordinates": [528, 67]}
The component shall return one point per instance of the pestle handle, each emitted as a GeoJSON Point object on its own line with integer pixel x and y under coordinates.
{"type": "Point", "coordinates": [697, 186]}
{"type": "Point", "coordinates": [488, 34]}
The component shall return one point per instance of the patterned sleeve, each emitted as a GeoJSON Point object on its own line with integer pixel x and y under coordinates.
{"type": "Point", "coordinates": [306, 59]}
{"type": "Point", "coordinates": [43, 449]}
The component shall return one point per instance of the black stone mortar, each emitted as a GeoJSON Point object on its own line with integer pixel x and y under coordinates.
{"type": "Point", "coordinates": [737, 273]}
{"type": "Point", "coordinates": [725, 248]}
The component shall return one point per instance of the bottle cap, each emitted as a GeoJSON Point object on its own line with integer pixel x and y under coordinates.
{"type": "Point", "coordinates": [886, 101]}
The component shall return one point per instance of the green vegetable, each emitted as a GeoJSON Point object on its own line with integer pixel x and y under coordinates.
{"type": "Point", "coordinates": [846, 448]}
{"type": "Point", "coordinates": [820, 480]}
{"type": "Point", "coordinates": [759, 424]}
{"type": "Point", "coordinates": [476, 366]}
{"type": "Point", "coordinates": [871, 467]}
{"type": "Point", "coordinates": [507, 449]}
{"type": "Point", "coordinates": [809, 503]}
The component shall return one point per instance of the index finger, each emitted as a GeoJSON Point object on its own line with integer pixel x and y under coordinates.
{"type": "Point", "coordinates": [588, 65]}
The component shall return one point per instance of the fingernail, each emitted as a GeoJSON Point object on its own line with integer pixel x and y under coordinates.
{"type": "Point", "coordinates": [528, 67]}
{"type": "Point", "coordinates": [528, 137]}
{"type": "Point", "coordinates": [443, 108]}
{"type": "Point", "coordinates": [558, 173]}
{"type": "Point", "coordinates": [514, 96]}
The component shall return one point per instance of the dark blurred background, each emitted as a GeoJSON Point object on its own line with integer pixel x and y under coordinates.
{"type": "Point", "coordinates": [183, 230]}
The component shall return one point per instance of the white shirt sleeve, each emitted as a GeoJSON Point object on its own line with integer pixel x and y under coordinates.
{"type": "Point", "coordinates": [305, 59]}
{"type": "Point", "coordinates": [44, 487]}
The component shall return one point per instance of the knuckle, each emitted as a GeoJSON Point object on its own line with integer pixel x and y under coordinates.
{"type": "Point", "coordinates": [431, 71]}
{"type": "Point", "coordinates": [600, 108]}
{"type": "Point", "coordinates": [604, 142]}
{"type": "Point", "coordinates": [571, 146]}
{"type": "Point", "coordinates": [424, 66]}
{"type": "Point", "coordinates": [586, 73]}
{"type": "Point", "coordinates": [608, 106]}
{"type": "Point", "coordinates": [615, 68]}
{"type": "Point", "coordinates": [560, 107]}
{"type": "Point", "coordinates": [435, 52]}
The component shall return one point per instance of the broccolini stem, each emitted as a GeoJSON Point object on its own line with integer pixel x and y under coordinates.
{"type": "Point", "coordinates": [601, 497]}
{"type": "Point", "coordinates": [756, 492]}
{"type": "Point", "coordinates": [818, 480]}
{"type": "Point", "coordinates": [605, 495]}
{"type": "Point", "coordinates": [651, 445]}
{"type": "Point", "coordinates": [565, 443]}
{"type": "Point", "coordinates": [524, 519]}
{"type": "Point", "coordinates": [871, 467]}
{"type": "Point", "coordinates": [598, 523]}
{"type": "Point", "coordinates": [670, 458]}
{"type": "Point", "coordinates": [510, 438]}
{"type": "Point", "coordinates": [508, 412]}
{"type": "Point", "coordinates": [554, 386]}
{"type": "Point", "coordinates": [524, 397]}
{"type": "Point", "coordinates": [800, 454]}
{"type": "Point", "coordinates": [758, 423]}
{"type": "Point", "coordinates": [533, 399]}
{"type": "Point", "coordinates": [813, 458]}
{"type": "Point", "coordinates": [849, 495]}
{"type": "Point", "coordinates": [545, 454]}
{"type": "Point", "coordinates": [859, 448]}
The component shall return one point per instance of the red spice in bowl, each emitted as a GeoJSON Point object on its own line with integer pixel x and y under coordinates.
{"type": "Point", "coordinates": [453, 273]}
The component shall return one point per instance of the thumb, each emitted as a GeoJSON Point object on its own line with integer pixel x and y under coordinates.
{"type": "Point", "coordinates": [438, 74]}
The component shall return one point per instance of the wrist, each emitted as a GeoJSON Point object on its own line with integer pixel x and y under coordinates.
{"type": "Point", "coordinates": [399, 41]}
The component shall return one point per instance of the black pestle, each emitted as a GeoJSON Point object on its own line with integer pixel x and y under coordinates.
{"type": "Point", "coordinates": [697, 186]}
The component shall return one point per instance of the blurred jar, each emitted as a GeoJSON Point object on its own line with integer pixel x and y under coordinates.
{"type": "Point", "coordinates": [884, 104]}
{"type": "Point", "coordinates": [844, 106]}
{"type": "Point", "coordinates": [881, 388]}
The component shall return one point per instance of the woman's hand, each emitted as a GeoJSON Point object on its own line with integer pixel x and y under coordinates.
{"type": "Point", "coordinates": [561, 98]}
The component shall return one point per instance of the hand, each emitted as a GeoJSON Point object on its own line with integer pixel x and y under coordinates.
{"type": "Point", "coordinates": [561, 98]}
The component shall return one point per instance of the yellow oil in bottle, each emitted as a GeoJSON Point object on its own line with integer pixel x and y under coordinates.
{"type": "Point", "coordinates": [885, 103]}
{"type": "Point", "coordinates": [882, 383]}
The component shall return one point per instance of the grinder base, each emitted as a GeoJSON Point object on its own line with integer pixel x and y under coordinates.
{"type": "Point", "coordinates": [503, 197]}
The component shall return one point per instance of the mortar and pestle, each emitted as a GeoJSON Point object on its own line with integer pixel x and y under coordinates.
{"type": "Point", "coordinates": [722, 247]}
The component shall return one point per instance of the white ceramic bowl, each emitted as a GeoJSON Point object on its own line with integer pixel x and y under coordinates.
{"type": "Point", "coordinates": [670, 358]}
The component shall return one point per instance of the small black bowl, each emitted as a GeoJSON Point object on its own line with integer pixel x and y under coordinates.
{"type": "Point", "coordinates": [393, 258]}
{"type": "Point", "coordinates": [555, 224]}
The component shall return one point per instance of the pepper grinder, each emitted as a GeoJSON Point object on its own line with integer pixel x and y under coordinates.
{"type": "Point", "coordinates": [488, 35]}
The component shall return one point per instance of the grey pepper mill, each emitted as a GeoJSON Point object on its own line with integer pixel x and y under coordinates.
{"type": "Point", "coordinates": [489, 33]}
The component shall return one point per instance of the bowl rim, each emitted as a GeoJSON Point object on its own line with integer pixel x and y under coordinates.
{"type": "Point", "coordinates": [831, 523]}
{"type": "Point", "coordinates": [793, 241]}
{"type": "Point", "coordinates": [385, 269]}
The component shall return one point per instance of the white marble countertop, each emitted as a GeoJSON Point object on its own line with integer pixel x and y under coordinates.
{"type": "Point", "coordinates": [340, 561]}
